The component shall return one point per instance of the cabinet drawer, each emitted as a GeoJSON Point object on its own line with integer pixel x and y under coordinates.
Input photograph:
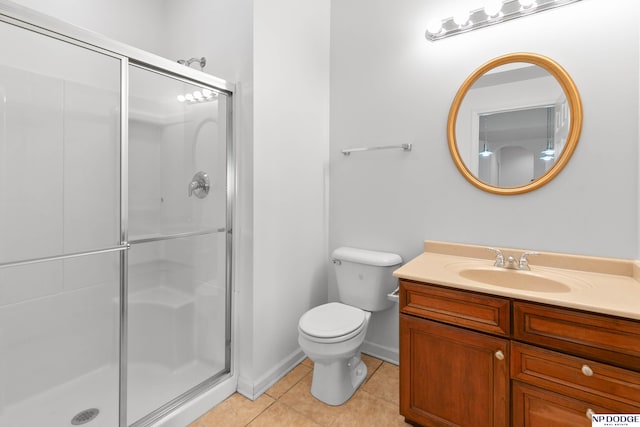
{"type": "Point", "coordinates": [475, 311]}
{"type": "Point", "coordinates": [573, 375]}
{"type": "Point", "coordinates": [537, 407]}
{"type": "Point", "coordinates": [613, 340]}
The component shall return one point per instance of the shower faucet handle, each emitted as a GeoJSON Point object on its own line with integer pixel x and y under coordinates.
{"type": "Point", "coordinates": [199, 185]}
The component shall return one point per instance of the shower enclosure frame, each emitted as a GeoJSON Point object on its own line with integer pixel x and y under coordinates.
{"type": "Point", "coordinates": [13, 14]}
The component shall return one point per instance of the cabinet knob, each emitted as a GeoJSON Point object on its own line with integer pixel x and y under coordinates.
{"type": "Point", "coordinates": [590, 413]}
{"type": "Point", "coordinates": [587, 370]}
{"type": "Point", "coordinates": [499, 355]}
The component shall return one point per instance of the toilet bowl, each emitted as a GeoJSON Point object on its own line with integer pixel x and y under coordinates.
{"type": "Point", "coordinates": [332, 334]}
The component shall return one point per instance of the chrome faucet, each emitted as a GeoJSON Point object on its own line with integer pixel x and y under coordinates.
{"type": "Point", "coordinates": [510, 262]}
{"type": "Point", "coordinates": [499, 258]}
{"type": "Point", "coordinates": [523, 264]}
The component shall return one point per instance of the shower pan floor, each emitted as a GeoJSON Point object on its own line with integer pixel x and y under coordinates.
{"type": "Point", "coordinates": [56, 407]}
{"type": "Point", "coordinates": [150, 386]}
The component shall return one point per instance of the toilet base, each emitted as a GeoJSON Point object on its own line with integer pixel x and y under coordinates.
{"type": "Point", "coordinates": [334, 382]}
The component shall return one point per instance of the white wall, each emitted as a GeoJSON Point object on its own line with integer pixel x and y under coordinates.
{"type": "Point", "coordinates": [389, 86]}
{"type": "Point", "coordinates": [138, 23]}
{"type": "Point", "coordinates": [291, 150]}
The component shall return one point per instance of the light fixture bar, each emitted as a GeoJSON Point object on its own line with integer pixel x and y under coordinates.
{"type": "Point", "coordinates": [479, 18]}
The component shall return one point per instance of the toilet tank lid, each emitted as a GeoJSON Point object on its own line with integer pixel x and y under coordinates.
{"type": "Point", "coordinates": [364, 256]}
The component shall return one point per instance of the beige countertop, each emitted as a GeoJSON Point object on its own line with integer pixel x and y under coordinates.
{"type": "Point", "coordinates": [601, 285]}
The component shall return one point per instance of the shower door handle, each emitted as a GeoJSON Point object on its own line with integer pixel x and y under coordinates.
{"type": "Point", "coordinates": [199, 185]}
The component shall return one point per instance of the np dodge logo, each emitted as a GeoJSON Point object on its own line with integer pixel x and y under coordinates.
{"type": "Point", "coordinates": [615, 420]}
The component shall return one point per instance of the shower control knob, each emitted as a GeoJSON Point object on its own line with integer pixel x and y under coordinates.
{"type": "Point", "coordinates": [199, 185]}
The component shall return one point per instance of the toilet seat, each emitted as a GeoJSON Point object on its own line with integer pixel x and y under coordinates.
{"type": "Point", "coordinates": [332, 322]}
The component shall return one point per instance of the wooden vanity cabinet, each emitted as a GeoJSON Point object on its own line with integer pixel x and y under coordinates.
{"type": "Point", "coordinates": [451, 376]}
{"type": "Point", "coordinates": [475, 360]}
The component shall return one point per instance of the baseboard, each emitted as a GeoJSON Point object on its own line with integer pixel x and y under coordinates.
{"type": "Point", "coordinates": [253, 389]}
{"type": "Point", "coordinates": [388, 354]}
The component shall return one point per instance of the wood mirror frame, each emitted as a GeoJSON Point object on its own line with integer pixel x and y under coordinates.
{"type": "Point", "coordinates": [575, 124]}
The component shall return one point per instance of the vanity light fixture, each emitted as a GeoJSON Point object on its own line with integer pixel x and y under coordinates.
{"type": "Point", "coordinates": [493, 12]}
{"type": "Point", "coordinates": [493, 9]}
{"type": "Point", "coordinates": [197, 96]}
{"type": "Point", "coordinates": [526, 4]}
{"type": "Point", "coordinates": [461, 19]}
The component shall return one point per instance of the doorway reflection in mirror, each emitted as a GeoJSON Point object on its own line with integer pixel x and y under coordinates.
{"type": "Point", "coordinates": [518, 146]}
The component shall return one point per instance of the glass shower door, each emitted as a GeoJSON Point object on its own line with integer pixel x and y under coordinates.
{"type": "Point", "coordinates": [178, 213]}
{"type": "Point", "coordinates": [59, 232]}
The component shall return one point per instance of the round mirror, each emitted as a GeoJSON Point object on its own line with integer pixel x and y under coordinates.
{"type": "Point", "coordinates": [514, 123]}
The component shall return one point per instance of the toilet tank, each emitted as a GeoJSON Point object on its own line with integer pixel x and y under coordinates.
{"type": "Point", "coordinates": [365, 277]}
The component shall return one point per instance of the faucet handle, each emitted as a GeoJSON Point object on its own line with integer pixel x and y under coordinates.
{"type": "Point", "coordinates": [499, 257]}
{"type": "Point", "coordinates": [523, 264]}
{"type": "Point", "coordinates": [199, 185]}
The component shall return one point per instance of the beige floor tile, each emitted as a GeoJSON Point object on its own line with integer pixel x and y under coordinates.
{"type": "Point", "coordinates": [385, 383]}
{"type": "Point", "coordinates": [289, 403]}
{"type": "Point", "coordinates": [281, 415]}
{"type": "Point", "coordinates": [288, 381]}
{"type": "Point", "coordinates": [236, 411]}
{"type": "Point", "coordinates": [372, 364]}
{"type": "Point", "coordinates": [365, 409]}
{"type": "Point", "coordinates": [300, 399]}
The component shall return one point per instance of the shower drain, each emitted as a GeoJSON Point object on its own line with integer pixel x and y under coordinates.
{"type": "Point", "coordinates": [85, 416]}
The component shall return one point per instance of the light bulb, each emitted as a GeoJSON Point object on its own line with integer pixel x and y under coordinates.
{"type": "Point", "coordinates": [546, 158]}
{"type": "Point", "coordinates": [198, 95]}
{"type": "Point", "coordinates": [207, 93]}
{"type": "Point", "coordinates": [493, 8]}
{"type": "Point", "coordinates": [434, 26]}
{"type": "Point", "coordinates": [526, 4]}
{"type": "Point", "coordinates": [485, 152]}
{"type": "Point", "coordinates": [189, 97]}
{"type": "Point", "coordinates": [461, 18]}
{"type": "Point", "coordinates": [181, 98]}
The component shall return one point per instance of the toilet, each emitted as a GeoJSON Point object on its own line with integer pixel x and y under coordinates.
{"type": "Point", "coordinates": [332, 334]}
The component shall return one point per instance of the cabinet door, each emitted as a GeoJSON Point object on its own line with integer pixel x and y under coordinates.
{"type": "Point", "coordinates": [537, 407]}
{"type": "Point", "coordinates": [450, 376]}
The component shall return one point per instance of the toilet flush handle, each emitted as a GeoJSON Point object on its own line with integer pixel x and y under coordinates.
{"type": "Point", "coordinates": [394, 296]}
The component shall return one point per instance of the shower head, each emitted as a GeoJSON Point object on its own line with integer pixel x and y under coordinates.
{"type": "Point", "coordinates": [201, 61]}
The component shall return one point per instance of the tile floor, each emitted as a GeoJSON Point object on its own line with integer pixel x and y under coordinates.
{"type": "Point", "coordinates": [289, 403]}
